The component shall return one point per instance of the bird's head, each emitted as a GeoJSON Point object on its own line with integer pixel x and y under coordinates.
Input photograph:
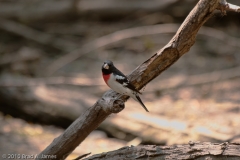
{"type": "Point", "coordinates": [107, 67]}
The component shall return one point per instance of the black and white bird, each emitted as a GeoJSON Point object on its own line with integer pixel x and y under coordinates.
{"type": "Point", "coordinates": [118, 82]}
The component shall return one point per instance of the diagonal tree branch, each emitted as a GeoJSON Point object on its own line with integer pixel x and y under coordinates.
{"type": "Point", "coordinates": [111, 102]}
{"type": "Point", "coordinates": [178, 45]}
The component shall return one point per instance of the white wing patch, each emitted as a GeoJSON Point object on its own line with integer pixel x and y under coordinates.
{"type": "Point", "coordinates": [120, 88]}
{"type": "Point", "coordinates": [119, 77]}
{"type": "Point", "coordinates": [125, 84]}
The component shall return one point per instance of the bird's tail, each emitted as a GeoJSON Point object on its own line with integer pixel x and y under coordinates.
{"type": "Point", "coordinates": [140, 101]}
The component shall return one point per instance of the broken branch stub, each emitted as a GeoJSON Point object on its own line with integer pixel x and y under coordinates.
{"type": "Point", "coordinates": [111, 103]}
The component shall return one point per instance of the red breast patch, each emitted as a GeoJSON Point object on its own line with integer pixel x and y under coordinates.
{"type": "Point", "coordinates": [106, 78]}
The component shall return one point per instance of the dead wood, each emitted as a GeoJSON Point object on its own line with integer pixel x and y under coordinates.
{"type": "Point", "coordinates": [193, 150]}
{"type": "Point", "coordinates": [151, 68]}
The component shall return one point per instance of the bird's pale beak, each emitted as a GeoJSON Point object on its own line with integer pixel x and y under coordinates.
{"type": "Point", "coordinates": [106, 66]}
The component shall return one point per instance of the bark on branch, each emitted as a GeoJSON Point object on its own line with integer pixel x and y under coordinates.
{"type": "Point", "coordinates": [224, 5]}
{"type": "Point", "coordinates": [193, 150]}
{"type": "Point", "coordinates": [141, 76]}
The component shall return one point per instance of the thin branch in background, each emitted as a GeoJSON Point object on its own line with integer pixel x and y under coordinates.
{"type": "Point", "coordinates": [64, 45]}
{"type": "Point", "coordinates": [220, 35]}
{"type": "Point", "coordinates": [36, 36]}
{"type": "Point", "coordinates": [106, 40]}
{"type": "Point", "coordinates": [32, 82]}
{"type": "Point", "coordinates": [130, 33]}
{"type": "Point", "coordinates": [202, 79]}
{"type": "Point", "coordinates": [172, 83]}
{"type": "Point", "coordinates": [205, 78]}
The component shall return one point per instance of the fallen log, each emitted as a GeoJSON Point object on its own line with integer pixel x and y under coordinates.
{"type": "Point", "coordinates": [193, 150]}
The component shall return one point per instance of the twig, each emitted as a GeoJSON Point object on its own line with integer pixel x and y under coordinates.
{"type": "Point", "coordinates": [225, 6]}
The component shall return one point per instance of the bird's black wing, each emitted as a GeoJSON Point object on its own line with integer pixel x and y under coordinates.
{"type": "Point", "coordinates": [121, 78]}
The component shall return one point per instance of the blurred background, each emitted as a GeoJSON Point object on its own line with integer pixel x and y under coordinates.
{"type": "Point", "coordinates": [51, 53]}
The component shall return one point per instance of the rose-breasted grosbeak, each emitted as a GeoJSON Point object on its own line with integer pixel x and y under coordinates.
{"type": "Point", "coordinates": [119, 82]}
